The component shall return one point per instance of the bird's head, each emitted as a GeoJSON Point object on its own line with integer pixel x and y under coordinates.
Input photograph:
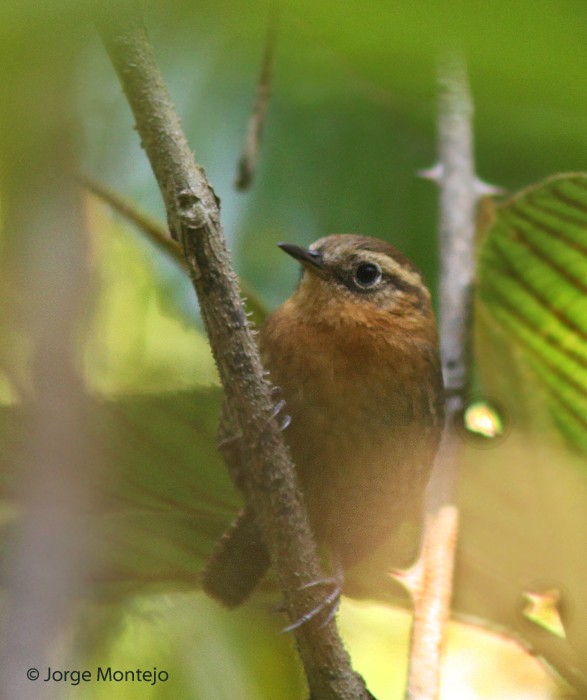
{"type": "Point", "coordinates": [352, 278]}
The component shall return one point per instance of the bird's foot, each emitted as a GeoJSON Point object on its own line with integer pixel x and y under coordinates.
{"type": "Point", "coordinates": [279, 406]}
{"type": "Point", "coordinates": [331, 601]}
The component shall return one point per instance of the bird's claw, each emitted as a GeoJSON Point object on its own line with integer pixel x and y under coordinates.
{"type": "Point", "coordinates": [332, 601]}
{"type": "Point", "coordinates": [279, 406]}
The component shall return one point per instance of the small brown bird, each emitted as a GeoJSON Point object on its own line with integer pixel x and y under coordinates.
{"type": "Point", "coordinates": [355, 354]}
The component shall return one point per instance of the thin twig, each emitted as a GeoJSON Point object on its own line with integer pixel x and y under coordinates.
{"type": "Point", "coordinates": [248, 161]}
{"type": "Point", "coordinates": [430, 582]}
{"type": "Point", "coordinates": [155, 232]}
{"type": "Point", "coordinates": [270, 484]}
{"type": "Point", "coordinates": [159, 236]}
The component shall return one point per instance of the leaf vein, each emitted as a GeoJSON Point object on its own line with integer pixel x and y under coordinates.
{"type": "Point", "coordinates": [511, 271]}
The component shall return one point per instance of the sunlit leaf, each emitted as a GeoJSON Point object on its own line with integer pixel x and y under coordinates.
{"type": "Point", "coordinates": [543, 609]}
{"type": "Point", "coordinates": [482, 419]}
{"type": "Point", "coordinates": [533, 280]}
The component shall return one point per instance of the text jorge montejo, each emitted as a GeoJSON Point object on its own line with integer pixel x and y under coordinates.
{"type": "Point", "coordinates": [103, 674]}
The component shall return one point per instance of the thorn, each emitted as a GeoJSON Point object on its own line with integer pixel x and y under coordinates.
{"type": "Point", "coordinates": [229, 440]}
{"type": "Point", "coordinates": [481, 188]}
{"type": "Point", "coordinates": [486, 189]}
{"type": "Point", "coordinates": [410, 579]}
{"type": "Point", "coordinates": [434, 173]}
{"type": "Point", "coordinates": [285, 423]}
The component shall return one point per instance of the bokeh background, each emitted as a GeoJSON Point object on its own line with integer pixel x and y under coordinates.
{"type": "Point", "coordinates": [102, 330]}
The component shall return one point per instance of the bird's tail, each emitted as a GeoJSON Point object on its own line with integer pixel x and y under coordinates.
{"type": "Point", "coordinates": [238, 563]}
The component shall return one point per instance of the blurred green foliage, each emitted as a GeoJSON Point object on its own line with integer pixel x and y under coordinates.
{"type": "Point", "coordinates": [353, 113]}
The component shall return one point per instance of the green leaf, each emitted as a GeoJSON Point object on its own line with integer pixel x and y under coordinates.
{"type": "Point", "coordinates": [533, 282]}
{"type": "Point", "coordinates": [167, 494]}
{"type": "Point", "coordinates": [163, 496]}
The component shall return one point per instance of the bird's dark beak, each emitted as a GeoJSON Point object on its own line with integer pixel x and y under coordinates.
{"type": "Point", "coordinates": [310, 259]}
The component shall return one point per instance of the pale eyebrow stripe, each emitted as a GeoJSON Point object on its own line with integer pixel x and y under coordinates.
{"type": "Point", "coordinates": [396, 271]}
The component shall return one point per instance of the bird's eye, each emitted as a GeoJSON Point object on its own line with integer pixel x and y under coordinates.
{"type": "Point", "coordinates": [367, 274]}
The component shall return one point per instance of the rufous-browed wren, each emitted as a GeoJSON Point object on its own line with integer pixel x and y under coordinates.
{"type": "Point", "coordinates": [354, 352]}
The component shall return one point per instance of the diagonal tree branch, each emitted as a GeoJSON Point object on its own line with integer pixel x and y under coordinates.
{"type": "Point", "coordinates": [430, 582]}
{"type": "Point", "coordinates": [270, 485]}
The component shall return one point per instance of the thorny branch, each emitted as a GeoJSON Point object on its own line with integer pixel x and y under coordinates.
{"type": "Point", "coordinates": [458, 204]}
{"type": "Point", "coordinates": [271, 488]}
{"type": "Point", "coordinates": [431, 581]}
